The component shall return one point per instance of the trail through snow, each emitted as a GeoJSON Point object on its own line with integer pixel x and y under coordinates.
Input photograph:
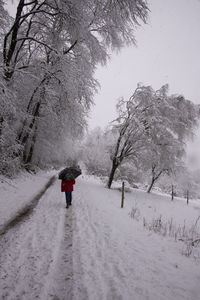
{"type": "Point", "coordinates": [36, 255]}
{"type": "Point", "coordinates": [95, 250]}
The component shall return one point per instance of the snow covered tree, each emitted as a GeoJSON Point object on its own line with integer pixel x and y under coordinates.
{"type": "Point", "coordinates": [49, 55]}
{"type": "Point", "coordinates": [54, 28]}
{"type": "Point", "coordinates": [129, 130]}
{"type": "Point", "coordinates": [174, 121]}
{"type": "Point", "coordinates": [162, 158]}
{"type": "Point", "coordinates": [152, 128]}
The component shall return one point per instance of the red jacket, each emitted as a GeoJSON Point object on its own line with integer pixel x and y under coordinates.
{"type": "Point", "coordinates": [67, 185]}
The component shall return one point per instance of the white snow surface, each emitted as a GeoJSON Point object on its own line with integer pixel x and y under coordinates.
{"type": "Point", "coordinates": [17, 193]}
{"type": "Point", "coordinates": [94, 250]}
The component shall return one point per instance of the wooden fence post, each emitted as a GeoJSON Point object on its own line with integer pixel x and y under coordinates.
{"type": "Point", "coordinates": [122, 201]}
{"type": "Point", "coordinates": [187, 197]}
{"type": "Point", "coordinates": [172, 192]}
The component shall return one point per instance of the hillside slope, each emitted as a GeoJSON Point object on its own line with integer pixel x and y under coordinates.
{"type": "Point", "coordinates": [115, 257]}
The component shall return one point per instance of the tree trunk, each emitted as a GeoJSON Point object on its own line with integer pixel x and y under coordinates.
{"type": "Point", "coordinates": [151, 185]}
{"type": "Point", "coordinates": [28, 110]}
{"type": "Point", "coordinates": [1, 125]}
{"type": "Point", "coordinates": [8, 53]}
{"type": "Point", "coordinates": [30, 153]}
{"type": "Point", "coordinates": [112, 173]}
{"type": "Point", "coordinates": [26, 137]}
{"type": "Point", "coordinates": [154, 178]}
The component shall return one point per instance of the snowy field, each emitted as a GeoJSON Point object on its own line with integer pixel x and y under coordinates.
{"type": "Point", "coordinates": [95, 250]}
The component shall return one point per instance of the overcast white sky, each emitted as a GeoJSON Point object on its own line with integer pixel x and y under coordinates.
{"type": "Point", "coordinates": [168, 51]}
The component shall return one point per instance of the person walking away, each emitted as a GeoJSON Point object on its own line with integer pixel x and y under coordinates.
{"type": "Point", "coordinates": [67, 187]}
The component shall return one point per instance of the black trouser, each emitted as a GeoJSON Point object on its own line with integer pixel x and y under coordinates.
{"type": "Point", "coordinates": [68, 196]}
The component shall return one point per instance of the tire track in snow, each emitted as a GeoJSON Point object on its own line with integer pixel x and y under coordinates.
{"type": "Point", "coordinates": [30, 252]}
{"type": "Point", "coordinates": [27, 210]}
{"type": "Point", "coordinates": [59, 285]}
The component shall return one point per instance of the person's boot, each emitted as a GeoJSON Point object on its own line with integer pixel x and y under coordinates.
{"type": "Point", "coordinates": [67, 205]}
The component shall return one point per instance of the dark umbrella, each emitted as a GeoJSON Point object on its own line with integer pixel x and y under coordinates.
{"type": "Point", "coordinates": [69, 173]}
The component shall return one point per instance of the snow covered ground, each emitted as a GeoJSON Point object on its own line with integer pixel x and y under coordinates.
{"type": "Point", "coordinates": [37, 249]}
{"type": "Point", "coordinates": [118, 259]}
{"type": "Point", "coordinates": [15, 194]}
{"type": "Point", "coordinates": [96, 250]}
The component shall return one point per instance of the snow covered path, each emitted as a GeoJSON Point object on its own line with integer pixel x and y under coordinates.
{"type": "Point", "coordinates": [95, 250]}
{"type": "Point", "coordinates": [115, 258]}
{"type": "Point", "coordinates": [36, 255]}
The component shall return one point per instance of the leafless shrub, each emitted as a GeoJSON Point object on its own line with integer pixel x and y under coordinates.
{"type": "Point", "coordinates": [135, 212]}
{"type": "Point", "coordinates": [189, 236]}
{"type": "Point", "coordinates": [192, 241]}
